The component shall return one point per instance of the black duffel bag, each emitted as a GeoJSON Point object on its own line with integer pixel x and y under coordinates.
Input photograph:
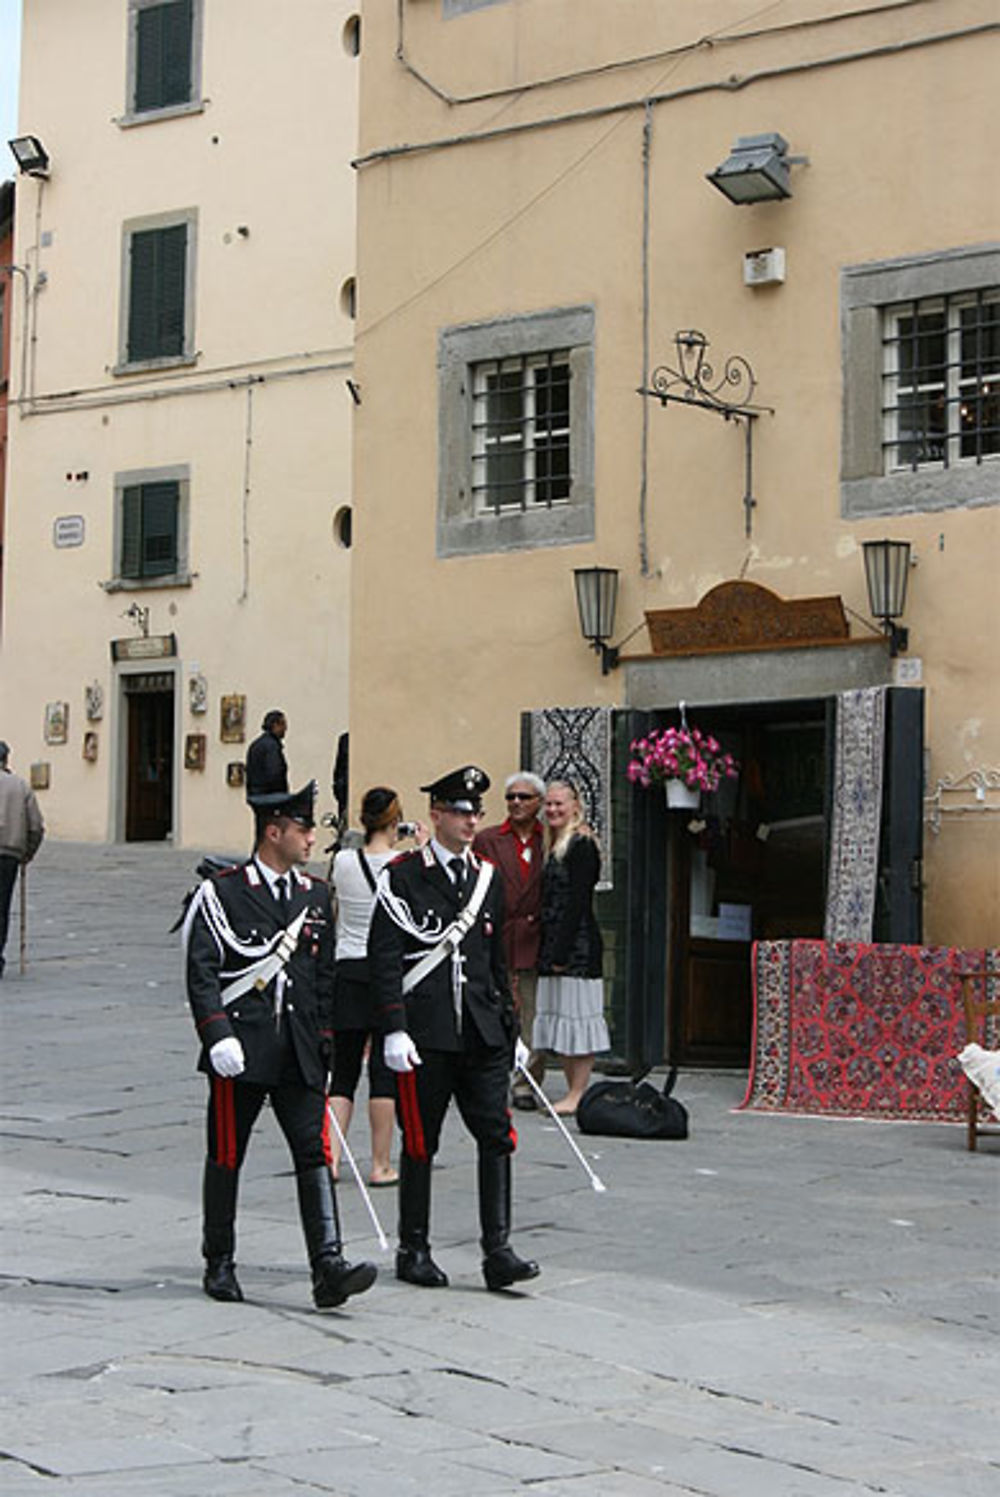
{"type": "Point", "coordinates": [632, 1109]}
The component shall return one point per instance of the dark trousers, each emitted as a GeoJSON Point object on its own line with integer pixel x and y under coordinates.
{"type": "Point", "coordinates": [8, 878]}
{"type": "Point", "coordinates": [348, 1056]}
{"type": "Point", "coordinates": [234, 1106]}
{"type": "Point", "coordinates": [478, 1078]}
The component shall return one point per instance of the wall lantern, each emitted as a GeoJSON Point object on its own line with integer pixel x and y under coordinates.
{"type": "Point", "coordinates": [31, 156]}
{"type": "Point", "coordinates": [596, 600]}
{"type": "Point", "coordinates": [887, 568]}
{"type": "Point", "coordinates": [756, 170]}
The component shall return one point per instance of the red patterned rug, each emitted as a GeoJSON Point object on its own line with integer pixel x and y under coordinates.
{"type": "Point", "coordinates": [844, 1029]}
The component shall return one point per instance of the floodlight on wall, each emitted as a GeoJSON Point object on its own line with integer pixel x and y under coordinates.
{"type": "Point", "coordinates": [756, 170]}
{"type": "Point", "coordinates": [596, 601]}
{"type": "Point", "coordinates": [31, 156]}
{"type": "Point", "coordinates": [887, 569]}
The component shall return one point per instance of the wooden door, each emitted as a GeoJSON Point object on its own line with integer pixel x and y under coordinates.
{"type": "Point", "coordinates": [149, 791]}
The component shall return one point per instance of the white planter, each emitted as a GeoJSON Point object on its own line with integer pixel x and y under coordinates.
{"type": "Point", "coordinates": [681, 797]}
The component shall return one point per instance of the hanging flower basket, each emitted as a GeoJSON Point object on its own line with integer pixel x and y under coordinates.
{"type": "Point", "coordinates": [681, 797]}
{"type": "Point", "coordinates": [684, 759]}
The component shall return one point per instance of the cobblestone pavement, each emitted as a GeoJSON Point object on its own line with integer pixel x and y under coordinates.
{"type": "Point", "coordinates": [778, 1306]}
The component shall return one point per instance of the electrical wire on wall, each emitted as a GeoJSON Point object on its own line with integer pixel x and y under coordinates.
{"type": "Point", "coordinates": [245, 511]}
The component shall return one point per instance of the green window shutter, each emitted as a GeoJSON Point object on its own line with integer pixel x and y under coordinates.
{"type": "Point", "coordinates": [163, 55]}
{"type": "Point", "coordinates": [157, 283]}
{"type": "Point", "coordinates": [131, 557]}
{"type": "Point", "coordinates": [149, 529]}
{"type": "Point", "coordinates": [159, 528]}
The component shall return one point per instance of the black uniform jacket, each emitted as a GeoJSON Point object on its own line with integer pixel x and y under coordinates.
{"type": "Point", "coordinates": [428, 1012]}
{"type": "Point", "coordinates": [253, 915]}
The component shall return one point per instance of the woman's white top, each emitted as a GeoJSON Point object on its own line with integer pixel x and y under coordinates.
{"type": "Point", "coordinates": [355, 900]}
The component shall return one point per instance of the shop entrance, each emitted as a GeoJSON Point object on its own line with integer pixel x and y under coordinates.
{"type": "Point", "coordinates": [750, 866]}
{"type": "Point", "coordinates": [149, 756]}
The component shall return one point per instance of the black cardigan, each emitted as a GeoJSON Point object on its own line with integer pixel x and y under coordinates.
{"type": "Point", "coordinates": [571, 938]}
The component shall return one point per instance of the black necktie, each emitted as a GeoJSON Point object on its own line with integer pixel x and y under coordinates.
{"type": "Point", "coordinates": [282, 886]}
{"type": "Point", "coordinates": [457, 866]}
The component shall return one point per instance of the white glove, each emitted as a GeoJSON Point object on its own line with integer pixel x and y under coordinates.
{"type": "Point", "coordinates": [226, 1057]}
{"type": "Point", "coordinates": [401, 1054]}
{"type": "Point", "coordinates": [521, 1056]}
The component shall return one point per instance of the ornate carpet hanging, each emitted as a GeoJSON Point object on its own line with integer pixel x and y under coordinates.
{"type": "Point", "coordinates": [857, 814]}
{"type": "Point", "coordinates": [574, 743]}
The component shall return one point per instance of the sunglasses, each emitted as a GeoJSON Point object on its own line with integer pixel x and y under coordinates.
{"type": "Point", "coordinates": [521, 795]}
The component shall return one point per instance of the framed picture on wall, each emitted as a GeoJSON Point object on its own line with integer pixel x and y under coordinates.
{"type": "Point", "coordinates": [40, 775]}
{"type": "Point", "coordinates": [194, 751]}
{"type": "Point", "coordinates": [236, 774]}
{"type": "Point", "coordinates": [232, 728]}
{"type": "Point", "coordinates": [56, 722]}
{"type": "Point", "coordinates": [90, 747]}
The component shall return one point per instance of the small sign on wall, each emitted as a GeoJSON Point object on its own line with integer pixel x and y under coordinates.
{"type": "Point", "coordinates": [68, 530]}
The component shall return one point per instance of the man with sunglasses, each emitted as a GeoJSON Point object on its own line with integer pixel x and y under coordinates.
{"type": "Point", "coordinates": [437, 969]}
{"type": "Point", "coordinates": [515, 847]}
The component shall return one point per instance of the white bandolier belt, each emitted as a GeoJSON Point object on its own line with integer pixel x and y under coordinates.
{"type": "Point", "coordinates": [446, 943]}
{"type": "Point", "coordinates": [263, 962]}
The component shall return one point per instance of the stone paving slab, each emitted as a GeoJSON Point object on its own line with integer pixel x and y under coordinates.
{"type": "Point", "coordinates": [789, 1307]}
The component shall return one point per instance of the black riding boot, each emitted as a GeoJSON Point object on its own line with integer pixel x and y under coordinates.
{"type": "Point", "coordinates": [414, 1264]}
{"type": "Point", "coordinates": [333, 1279]}
{"type": "Point", "coordinates": [219, 1188]}
{"type": "Point", "coordinates": [501, 1265]}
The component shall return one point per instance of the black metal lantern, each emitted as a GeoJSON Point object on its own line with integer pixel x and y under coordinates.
{"type": "Point", "coordinates": [596, 601]}
{"type": "Point", "coordinates": [887, 568]}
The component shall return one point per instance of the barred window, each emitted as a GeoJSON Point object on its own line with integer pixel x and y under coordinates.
{"type": "Point", "coordinates": [941, 381]}
{"type": "Point", "coordinates": [521, 429]}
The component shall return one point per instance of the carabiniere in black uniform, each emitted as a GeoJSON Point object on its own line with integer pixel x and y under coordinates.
{"type": "Point", "coordinates": [261, 973]}
{"type": "Point", "coordinates": [460, 1017]}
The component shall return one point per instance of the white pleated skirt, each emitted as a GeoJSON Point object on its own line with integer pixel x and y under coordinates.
{"type": "Point", "coordinates": [569, 1016]}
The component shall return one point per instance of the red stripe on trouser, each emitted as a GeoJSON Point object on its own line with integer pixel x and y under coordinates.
{"type": "Point", "coordinates": [409, 1110]}
{"type": "Point", "coordinates": [224, 1102]}
{"type": "Point", "coordinates": [325, 1135]}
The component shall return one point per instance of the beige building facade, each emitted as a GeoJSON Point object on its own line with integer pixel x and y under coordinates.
{"type": "Point", "coordinates": [178, 517]}
{"type": "Point", "coordinates": [535, 230]}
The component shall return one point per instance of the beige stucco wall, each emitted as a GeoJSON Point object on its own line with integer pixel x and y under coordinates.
{"type": "Point", "coordinates": [262, 419]}
{"type": "Point", "coordinates": [447, 653]}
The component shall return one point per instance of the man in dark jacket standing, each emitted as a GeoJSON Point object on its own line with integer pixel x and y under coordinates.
{"type": "Point", "coordinates": [266, 769]}
{"type": "Point", "coordinates": [259, 945]}
{"type": "Point", "coordinates": [435, 954]}
{"type": "Point", "coordinates": [21, 833]}
{"type": "Point", "coordinates": [515, 847]}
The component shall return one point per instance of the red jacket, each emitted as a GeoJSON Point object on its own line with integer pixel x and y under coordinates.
{"type": "Point", "coordinates": [522, 892]}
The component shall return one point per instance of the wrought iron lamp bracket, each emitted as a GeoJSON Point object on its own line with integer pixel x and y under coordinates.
{"type": "Point", "coordinates": [694, 382]}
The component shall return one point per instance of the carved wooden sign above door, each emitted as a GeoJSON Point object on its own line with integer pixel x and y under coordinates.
{"type": "Point", "coordinates": [746, 616]}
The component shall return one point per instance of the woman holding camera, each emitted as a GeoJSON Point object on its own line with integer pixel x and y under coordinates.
{"type": "Point", "coordinates": [355, 871]}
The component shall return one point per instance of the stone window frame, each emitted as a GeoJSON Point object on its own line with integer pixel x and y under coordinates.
{"type": "Point", "coordinates": [452, 8]}
{"type": "Point", "coordinates": [188, 217]}
{"type": "Point", "coordinates": [194, 105]}
{"type": "Point", "coordinates": [866, 292]}
{"type": "Point", "coordinates": [179, 473]}
{"type": "Point", "coordinates": [461, 531]}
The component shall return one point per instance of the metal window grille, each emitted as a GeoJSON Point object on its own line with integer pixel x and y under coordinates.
{"type": "Point", "coordinates": [521, 433]}
{"type": "Point", "coordinates": [941, 381]}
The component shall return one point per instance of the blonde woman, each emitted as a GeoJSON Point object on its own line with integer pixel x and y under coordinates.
{"type": "Point", "coordinates": [569, 1003]}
